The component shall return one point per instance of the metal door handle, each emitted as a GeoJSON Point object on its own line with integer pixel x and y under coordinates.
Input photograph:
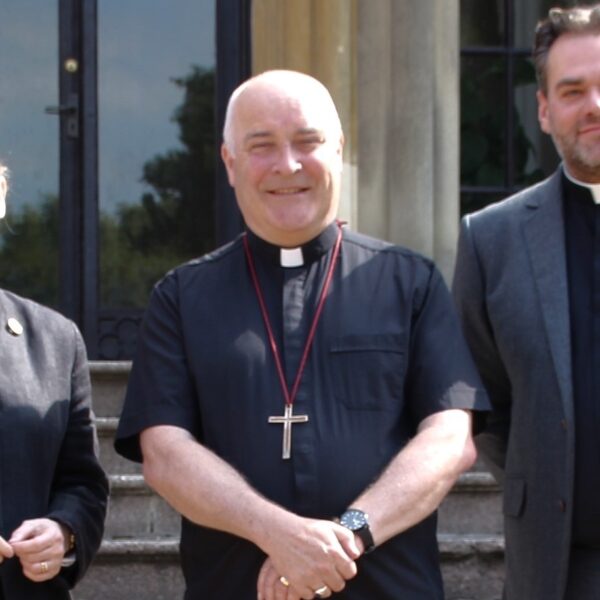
{"type": "Point", "coordinates": [71, 109]}
{"type": "Point", "coordinates": [60, 110]}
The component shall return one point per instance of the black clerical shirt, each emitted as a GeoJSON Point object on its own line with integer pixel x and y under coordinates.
{"type": "Point", "coordinates": [388, 352]}
{"type": "Point", "coordinates": [582, 234]}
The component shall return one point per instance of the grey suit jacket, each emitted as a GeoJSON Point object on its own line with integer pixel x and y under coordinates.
{"type": "Point", "coordinates": [48, 463]}
{"type": "Point", "coordinates": [511, 289]}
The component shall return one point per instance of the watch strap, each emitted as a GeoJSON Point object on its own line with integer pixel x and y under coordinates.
{"type": "Point", "coordinates": [364, 533]}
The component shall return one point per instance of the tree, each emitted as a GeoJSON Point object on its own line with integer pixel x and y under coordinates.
{"type": "Point", "coordinates": [174, 222]}
{"type": "Point", "coordinates": [167, 226]}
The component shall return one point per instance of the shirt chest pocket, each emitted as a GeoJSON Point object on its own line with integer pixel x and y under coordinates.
{"type": "Point", "coordinates": [367, 371]}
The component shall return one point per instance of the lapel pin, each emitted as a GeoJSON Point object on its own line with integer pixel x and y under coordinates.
{"type": "Point", "coordinates": [14, 327]}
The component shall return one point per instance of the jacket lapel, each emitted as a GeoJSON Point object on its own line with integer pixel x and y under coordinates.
{"type": "Point", "coordinates": [545, 236]}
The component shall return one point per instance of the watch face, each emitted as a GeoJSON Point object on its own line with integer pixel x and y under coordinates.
{"type": "Point", "coordinates": [353, 519]}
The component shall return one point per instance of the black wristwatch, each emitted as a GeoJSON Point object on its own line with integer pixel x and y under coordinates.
{"type": "Point", "coordinates": [357, 521]}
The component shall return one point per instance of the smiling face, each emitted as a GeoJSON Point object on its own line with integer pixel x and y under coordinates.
{"type": "Point", "coordinates": [570, 109]}
{"type": "Point", "coordinates": [283, 155]}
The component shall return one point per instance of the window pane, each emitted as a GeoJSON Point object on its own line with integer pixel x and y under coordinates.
{"type": "Point", "coordinates": [527, 135]}
{"type": "Point", "coordinates": [483, 121]}
{"type": "Point", "coordinates": [29, 147]}
{"type": "Point", "coordinates": [527, 14]}
{"type": "Point", "coordinates": [482, 23]}
{"type": "Point", "coordinates": [472, 201]}
{"type": "Point", "coordinates": [157, 146]}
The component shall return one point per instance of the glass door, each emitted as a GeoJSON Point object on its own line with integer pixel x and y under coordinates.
{"type": "Point", "coordinates": [29, 146]}
{"type": "Point", "coordinates": [110, 115]}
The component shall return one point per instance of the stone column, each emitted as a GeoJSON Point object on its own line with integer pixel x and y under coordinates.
{"type": "Point", "coordinates": [408, 124]}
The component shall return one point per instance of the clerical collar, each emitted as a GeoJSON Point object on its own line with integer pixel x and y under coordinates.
{"type": "Point", "coordinates": [291, 257]}
{"type": "Point", "coordinates": [594, 188]}
{"type": "Point", "coordinates": [294, 257]}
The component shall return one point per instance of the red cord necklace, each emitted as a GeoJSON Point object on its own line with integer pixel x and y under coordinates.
{"type": "Point", "coordinates": [288, 418]}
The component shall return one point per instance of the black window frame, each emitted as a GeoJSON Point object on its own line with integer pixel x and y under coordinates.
{"type": "Point", "coordinates": [510, 54]}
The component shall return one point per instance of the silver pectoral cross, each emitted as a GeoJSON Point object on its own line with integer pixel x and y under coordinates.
{"type": "Point", "coordinates": [288, 419]}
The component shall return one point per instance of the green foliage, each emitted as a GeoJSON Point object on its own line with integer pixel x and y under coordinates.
{"type": "Point", "coordinates": [167, 226]}
{"type": "Point", "coordinates": [126, 273]}
{"type": "Point", "coordinates": [483, 125]}
{"type": "Point", "coordinates": [29, 252]}
{"type": "Point", "coordinates": [175, 222]}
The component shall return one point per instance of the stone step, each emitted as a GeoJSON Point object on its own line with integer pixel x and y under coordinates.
{"type": "Point", "coordinates": [109, 381]}
{"type": "Point", "coordinates": [135, 511]}
{"type": "Point", "coordinates": [137, 569]}
{"type": "Point", "coordinates": [472, 566]}
{"type": "Point", "coordinates": [473, 506]}
{"type": "Point", "coordinates": [143, 569]}
{"type": "Point", "coordinates": [112, 462]}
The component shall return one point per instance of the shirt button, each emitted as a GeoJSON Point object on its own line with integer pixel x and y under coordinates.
{"type": "Point", "coordinates": [562, 506]}
{"type": "Point", "coordinates": [563, 424]}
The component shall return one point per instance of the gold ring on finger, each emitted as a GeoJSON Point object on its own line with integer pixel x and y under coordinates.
{"type": "Point", "coordinates": [321, 590]}
{"type": "Point", "coordinates": [44, 566]}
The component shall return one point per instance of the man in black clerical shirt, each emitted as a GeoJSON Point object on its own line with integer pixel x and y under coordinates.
{"type": "Point", "coordinates": [302, 395]}
{"type": "Point", "coordinates": [527, 284]}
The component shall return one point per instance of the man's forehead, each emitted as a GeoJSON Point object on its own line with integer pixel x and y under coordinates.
{"type": "Point", "coordinates": [266, 132]}
{"type": "Point", "coordinates": [280, 122]}
{"type": "Point", "coordinates": [574, 52]}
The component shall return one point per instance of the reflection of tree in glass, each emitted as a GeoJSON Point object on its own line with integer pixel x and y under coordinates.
{"type": "Point", "coordinates": [175, 222]}
{"type": "Point", "coordinates": [29, 252]}
{"type": "Point", "coordinates": [483, 125]}
{"type": "Point", "coordinates": [170, 225]}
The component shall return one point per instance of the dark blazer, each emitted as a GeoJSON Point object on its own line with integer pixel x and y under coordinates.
{"type": "Point", "coordinates": [511, 289]}
{"type": "Point", "coordinates": [48, 446]}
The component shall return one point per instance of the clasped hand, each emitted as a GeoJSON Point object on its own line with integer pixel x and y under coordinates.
{"type": "Point", "coordinates": [315, 554]}
{"type": "Point", "coordinates": [40, 545]}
